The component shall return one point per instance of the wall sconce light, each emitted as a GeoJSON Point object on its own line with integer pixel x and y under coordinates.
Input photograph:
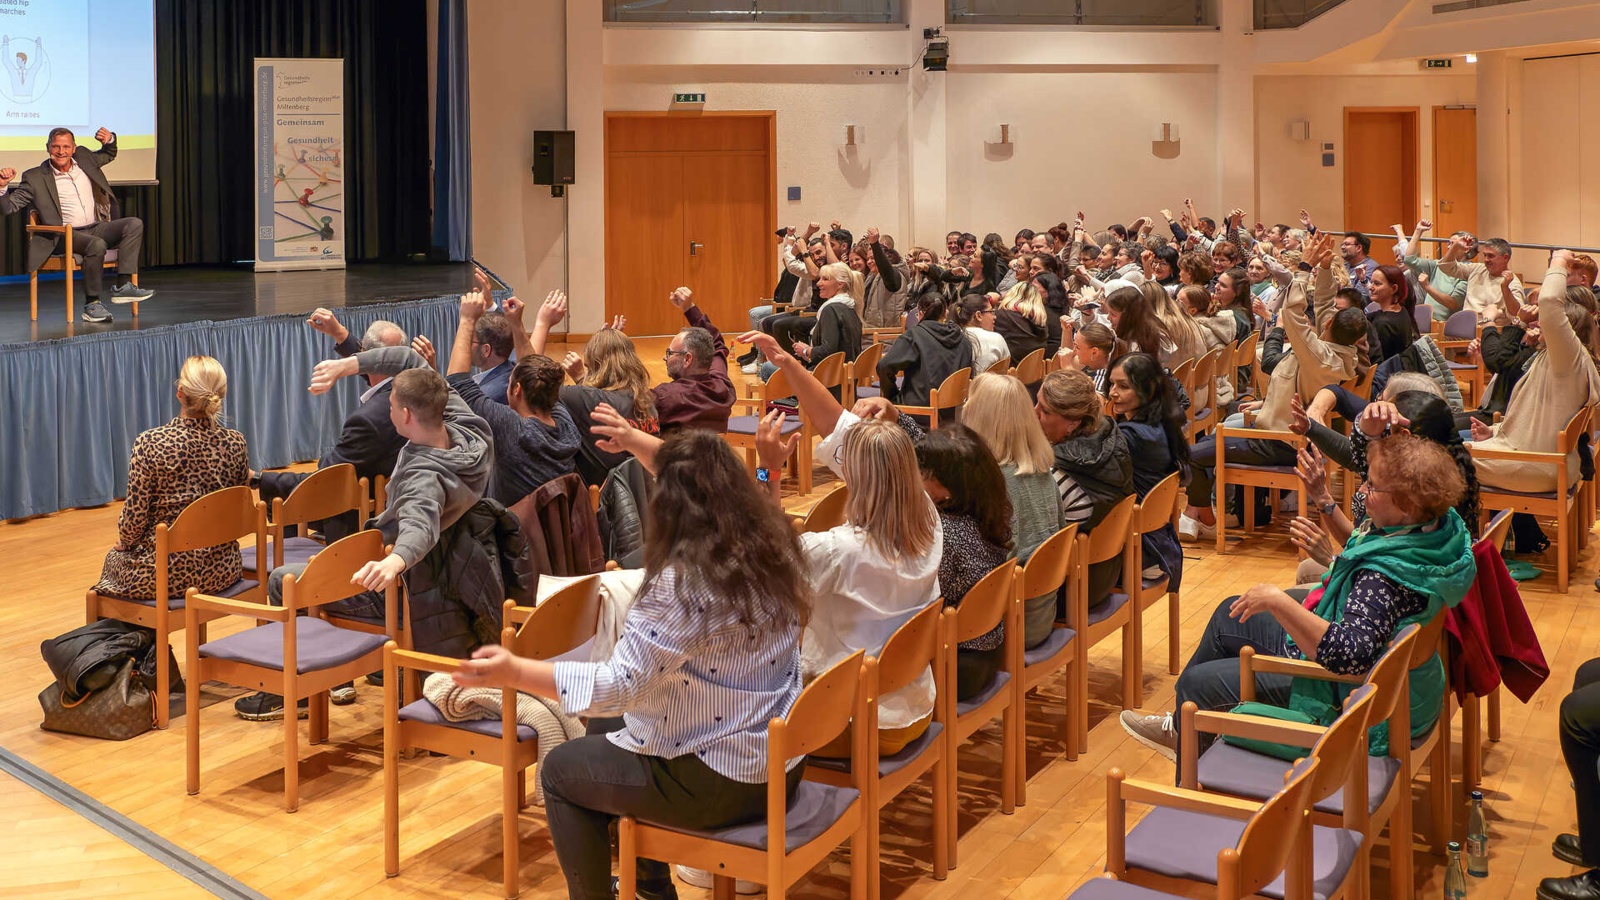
{"type": "Point", "coordinates": [1300, 130]}
{"type": "Point", "coordinates": [1472, 57]}
{"type": "Point", "coordinates": [1166, 144]}
{"type": "Point", "coordinates": [1005, 135]}
{"type": "Point", "coordinates": [852, 133]}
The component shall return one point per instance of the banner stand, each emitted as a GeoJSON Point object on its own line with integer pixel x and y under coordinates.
{"type": "Point", "coordinates": [300, 196]}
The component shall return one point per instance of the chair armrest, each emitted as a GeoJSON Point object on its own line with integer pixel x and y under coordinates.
{"type": "Point", "coordinates": [1152, 794]}
{"type": "Point", "coordinates": [429, 662]}
{"type": "Point", "coordinates": [1523, 455]}
{"type": "Point", "coordinates": [1266, 434]}
{"type": "Point", "coordinates": [1258, 728]}
{"type": "Point", "coordinates": [52, 229]}
{"type": "Point", "coordinates": [1299, 668]}
{"type": "Point", "coordinates": [239, 607]}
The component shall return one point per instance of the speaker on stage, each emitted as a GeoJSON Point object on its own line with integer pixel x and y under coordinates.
{"type": "Point", "coordinates": [552, 157]}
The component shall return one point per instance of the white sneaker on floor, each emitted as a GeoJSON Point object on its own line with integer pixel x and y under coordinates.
{"type": "Point", "coordinates": [1289, 503]}
{"type": "Point", "coordinates": [752, 369]}
{"type": "Point", "coordinates": [702, 879]}
{"type": "Point", "coordinates": [1192, 530]}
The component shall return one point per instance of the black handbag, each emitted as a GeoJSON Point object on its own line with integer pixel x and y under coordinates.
{"type": "Point", "coordinates": [119, 710]}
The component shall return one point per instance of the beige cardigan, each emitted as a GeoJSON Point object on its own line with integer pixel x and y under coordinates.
{"type": "Point", "coordinates": [1560, 380]}
{"type": "Point", "coordinates": [1314, 364]}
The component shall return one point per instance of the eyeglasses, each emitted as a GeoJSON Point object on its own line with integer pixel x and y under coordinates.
{"type": "Point", "coordinates": [671, 353]}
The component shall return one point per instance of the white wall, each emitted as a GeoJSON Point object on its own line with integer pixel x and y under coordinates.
{"type": "Point", "coordinates": [1560, 145]}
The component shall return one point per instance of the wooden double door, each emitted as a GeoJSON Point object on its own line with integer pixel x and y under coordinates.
{"type": "Point", "coordinates": [691, 199]}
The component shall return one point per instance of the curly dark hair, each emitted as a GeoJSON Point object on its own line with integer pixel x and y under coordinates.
{"type": "Point", "coordinates": [960, 461]}
{"type": "Point", "coordinates": [708, 520]}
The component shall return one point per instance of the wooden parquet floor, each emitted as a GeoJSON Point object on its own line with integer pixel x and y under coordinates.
{"type": "Point", "coordinates": [450, 828]}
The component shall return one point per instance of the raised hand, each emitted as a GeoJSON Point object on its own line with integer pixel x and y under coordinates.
{"type": "Point", "coordinates": [473, 306]}
{"type": "Point", "coordinates": [1299, 422]}
{"type": "Point", "coordinates": [514, 309]}
{"type": "Point", "coordinates": [876, 408]}
{"type": "Point", "coordinates": [772, 447]}
{"type": "Point", "coordinates": [1309, 536]}
{"type": "Point", "coordinates": [104, 135]}
{"type": "Point", "coordinates": [1424, 224]}
{"type": "Point", "coordinates": [1308, 464]}
{"type": "Point", "coordinates": [572, 363]}
{"type": "Point", "coordinates": [812, 229]}
{"type": "Point", "coordinates": [1166, 214]}
{"type": "Point", "coordinates": [1305, 220]}
{"type": "Point", "coordinates": [766, 343]}
{"type": "Point", "coordinates": [1423, 279]}
{"type": "Point", "coordinates": [481, 283]}
{"type": "Point", "coordinates": [6, 174]}
{"type": "Point", "coordinates": [619, 322]}
{"type": "Point", "coordinates": [1380, 415]}
{"type": "Point", "coordinates": [424, 348]}
{"type": "Point", "coordinates": [682, 298]}
{"type": "Point", "coordinates": [322, 319]}
{"type": "Point", "coordinates": [553, 310]}
{"type": "Point", "coordinates": [1561, 258]}
{"type": "Point", "coordinates": [872, 235]}
{"type": "Point", "coordinates": [330, 371]}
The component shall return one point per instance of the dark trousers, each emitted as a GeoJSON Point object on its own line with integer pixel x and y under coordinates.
{"type": "Point", "coordinates": [1211, 679]}
{"type": "Point", "coordinates": [1240, 451]}
{"type": "Point", "coordinates": [590, 782]}
{"type": "Point", "coordinates": [788, 328]}
{"type": "Point", "coordinates": [1580, 744]}
{"type": "Point", "coordinates": [1346, 404]}
{"type": "Point", "coordinates": [975, 669]}
{"type": "Point", "coordinates": [365, 605]}
{"type": "Point", "coordinates": [126, 235]}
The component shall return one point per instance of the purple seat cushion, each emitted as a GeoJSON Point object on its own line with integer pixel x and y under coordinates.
{"type": "Point", "coordinates": [242, 586]}
{"type": "Point", "coordinates": [1182, 844]}
{"type": "Point", "coordinates": [318, 645]}
{"type": "Point", "coordinates": [868, 390]}
{"type": "Point", "coordinates": [296, 551]}
{"type": "Point", "coordinates": [747, 424]}
{"type": "Point", "coordinates": [1109, 889]}
{"type": "Point", "coordinates": [1282, 470]}
{"type": "Point", "coordinates": [1237, 771]}
{"type": "Point", "coordinates": [813, 810]}
{"type": "Point", "coordinates": [1057, 641]}
{"type": "Point", "coordinates": [1459, 365]}
{"type": "Point", "coordinates": [1107, 608]}
{"type": "Point", "coordinates": [887, 765]}
{"type": "Point", "coordinates": [426, 713]}
{"type": "Point", "coordinates": [1001, 679]}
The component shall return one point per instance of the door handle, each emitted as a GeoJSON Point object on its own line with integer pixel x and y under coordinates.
{"type": "Point", "coordinates": [694, 248]}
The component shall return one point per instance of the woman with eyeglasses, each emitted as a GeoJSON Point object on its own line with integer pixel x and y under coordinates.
{"type": "Point", "coordinates": [976, 318]}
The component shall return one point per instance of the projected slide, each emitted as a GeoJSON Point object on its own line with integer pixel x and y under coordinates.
{"type": "Point", "coordinates": [78, 64]}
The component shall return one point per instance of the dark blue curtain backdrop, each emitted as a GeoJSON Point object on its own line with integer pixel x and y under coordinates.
{"type": "Point", "coordinates": [452, 144]}
{"type": "Point", "coordinates": [72, 407]}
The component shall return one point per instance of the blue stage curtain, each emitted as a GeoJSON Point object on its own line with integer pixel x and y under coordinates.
{"type": "Point", "coordinates": [74, 406]}
{"type": "Point", "coordinates": [452, 145]}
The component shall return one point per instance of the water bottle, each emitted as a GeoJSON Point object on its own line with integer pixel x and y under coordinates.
{"type": "Point", "coordinates": [1455, 880]}
{"type": "Point", "coordinates": [1477, 839]}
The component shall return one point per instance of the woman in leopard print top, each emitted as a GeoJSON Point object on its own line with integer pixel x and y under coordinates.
{"type": "Point", "coordinates": [172, 466]}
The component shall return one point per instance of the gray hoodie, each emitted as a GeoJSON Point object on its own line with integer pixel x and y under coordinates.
{"type": "Point", "coordinates": [430, 488]}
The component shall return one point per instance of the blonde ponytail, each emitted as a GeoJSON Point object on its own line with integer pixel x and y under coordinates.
{"type": "Point", "coordinates": [202, 384]}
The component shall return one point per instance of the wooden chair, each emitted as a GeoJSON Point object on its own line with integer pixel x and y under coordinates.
{"type": "Point", "coordinates": [914, 647]}
{"type": "Point", "coordinates": [1183, 374]}
{"type": "Point", "coordinates": [1001, 366]}
{"type": "Point", "coordinates": [989, 602]}
{"type": "Point", "coordinates": [1471, 724]}
{"type": "Point", "coordinates": [1245, 366]}
{"type": "Point", "coordinates": [1047, 570]}
{"type": "Point", "coordinates": [741, 433]}
{"type": "Point", "coordinates": [1270, 842]}
{"type": "Point", "coordinates": [1275, 478]}
{"type": "Point", "coordinates": [1564, 504]}
{"type": "Point", "coordinates": [565, 621]}
{"type": "Point", "coordinates": [1113, 613]}
{"type": "Point", "coordinates": [860, 373]}
{"type": "Point", "coordinates": [1203, 417]}
{"type": "Point", "coordinates": [828, 513]}
{"type": "Point", "coordinates": [1159, 508]}
{"type": "Point", "coordinates": [1386, 781]}
{"type": "Point", "coordinates": [291, 655]}
{"type": "Point", "coordinates": [324, 494]}
{"type": "Point", "coordinates": [380, 493]}
{"type": "Point", "coordinates": [219, 517]}
{"type": "Point", "coordinates": [1031, 369]}
{"type": "Point", "coordinates": [951, 395]}
{"type": "Point", "coordinates": [67, 261]}
{"type": "Point", "coordinates": [798, 834]}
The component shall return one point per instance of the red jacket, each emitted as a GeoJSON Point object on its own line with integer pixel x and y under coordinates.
{"type": "Point", "coordinates": [1493, 640]}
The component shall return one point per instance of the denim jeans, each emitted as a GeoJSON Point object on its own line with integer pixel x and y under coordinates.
{"type": "Point", "coordinates": [1211, 679]}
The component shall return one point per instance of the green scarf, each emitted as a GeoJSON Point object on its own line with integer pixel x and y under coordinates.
{"type": "Point", "coordinates": [1437, 562]}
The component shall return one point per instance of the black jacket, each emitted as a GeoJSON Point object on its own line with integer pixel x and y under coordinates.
{"type": "Point", "coordinates": [622, 501]}
{"type": "Point", "coordinates": [928, 353]}
{"type": "Point", "coordinates": [1506, 358]}
{"type": "Point", "coordinates": [368, 441]}
{"type": "Point", "coordinates": [1101, 464]}
{"type": "Point", "coordinates": [838, 328]}
{"type": "Point", "coordinates": [1021, 334]}
{"type": "Point", "coordinates": [87, 658]}
{"type": "Point", "coordinates": [456, 590]}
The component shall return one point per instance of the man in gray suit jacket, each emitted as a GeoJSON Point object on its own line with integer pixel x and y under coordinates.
{"type": "Point", "coordinates": [69, 188]}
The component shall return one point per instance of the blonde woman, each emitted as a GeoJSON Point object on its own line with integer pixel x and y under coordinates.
{"type": "Point", "coordinates": [838, 324]}
{"type": "Point", "coordinates": [610, 371]}
{"type": "Point", "coordinates": [1021, 318]}
{"type": "Point", "coordinates": [172, 466]}
{"type": "Point", "coordinates": [1185, 333]}
{"type": "Point", "coordinates": [999, 411]}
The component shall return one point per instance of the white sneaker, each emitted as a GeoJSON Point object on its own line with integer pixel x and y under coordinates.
{"type": "Point", "coordinates": [752, 369]}
{"type": "Point", "coordinates": [1192, 530]}
{"type": "Point", "coordinates": [1289, 503]}
{"type": "Point", "coordinates": [702, 879]}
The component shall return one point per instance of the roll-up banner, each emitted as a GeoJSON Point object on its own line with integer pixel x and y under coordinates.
{"type": "Point", "coordinates": [299, 164]}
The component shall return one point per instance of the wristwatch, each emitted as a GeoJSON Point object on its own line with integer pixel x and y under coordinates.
{"type": "Point", "coordinates": [1328, 508]}
{"type": "Point", "coordinates": [764, 475]}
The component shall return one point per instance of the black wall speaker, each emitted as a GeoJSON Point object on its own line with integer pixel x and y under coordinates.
{"type": "Point", "coordinates": [552, 157]}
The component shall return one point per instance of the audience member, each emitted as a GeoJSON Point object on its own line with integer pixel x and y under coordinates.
{"type": "Point", "coordinates": [886, 284]}
{"type": "Point", "coordinates": [928, 352]}
{"type": "Point", "coordinates": [700, 394]}
{"type": "Point", "coordinates": [1580, 745]}
{"type": "Point", "coordinates": [1144, 400]}
{"type": "Point", "coordinates": [1491, 283]}
{"type": "Point", "coordinates": [1353, 249]}
{"type": "Point", "coordinates": [976, 317]}
{"type": "Point", "coordinates": [1092, 468]}
{"type": "Point", "coordinates": [838, 327]}
{"type": "Point", "coordinates": [1022, 321]}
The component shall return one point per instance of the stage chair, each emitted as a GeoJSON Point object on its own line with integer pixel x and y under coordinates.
{"type": "Point", "coordinates": [1386, 781]}
{"type": "Point", "coordinates": [1564, 505]}
{"type": "Point", "coordinates": [1270, 843]}
{"type": "Point", "coordinates": [951, 395]}
{"type": "Point", "coordinates": [1203, 417]}
{"type": "Point", "coordinates": [1031, 369]}
{"type": "Point", "coordinates": [65, 261]}
{"type": "Point", "coordinates": [324, 494]}
{"type": "Point", "coordinates": [1275, 478]}
{"type": "Point", "coordinates": [914, 647]}
{"type": "Point", "coordinates": [1047, 570]}
{"type": "Point", "coordinates": [989, 602]}
{"type": "Point", "coordinates": [380, 493]}
{"type": "Point", "coordinates": [1113, 613]}
{"type": "Point", "coordinates": [797, 835]}
{"type": "Point", "coordinates": [219, 517]}
{"type": "Point", "coordinates": [741, 433]}
{"type": "Point", "coordinates": [291, 655]}
{"type": "Point", "coordinates": [1159, 507]}
{"type": "Point", "coordinates": [828, 513]}
{"type": "Point", "coordinates": [860, 373]}
{"type": "Point", "coordinates": [1183, 374]}
{"type": "Point", "coordinates": [564, 622]}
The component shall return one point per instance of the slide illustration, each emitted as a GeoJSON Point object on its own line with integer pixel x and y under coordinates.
{"type": "Point", "coordinates": [44, 48]}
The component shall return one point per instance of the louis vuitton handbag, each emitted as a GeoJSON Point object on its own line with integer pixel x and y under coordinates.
{"type": "Point", "coordinates": [121, 708]}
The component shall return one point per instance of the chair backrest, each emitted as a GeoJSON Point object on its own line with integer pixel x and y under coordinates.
{"type": "Point", "coordinates": [1000, 366]}
{"type": "Point", "coordinates": [380, 493]}
{"type": "Point", "coordinates": [1155, 510]}
{"type": "Point", "coordinates": [1031, 368]}
{"type": "Point", "coordinates": [561, 622]}
{"type": "Point", "coordinates": [325, 493]}
{"type": "Point", "coordinates": [777, 387]}
{"type": "Point", "coordinates": [1343, 745]}
{"type": "Point", "coordinates": [1111, 535]}
{"type": "Point", "coordinates": [1388, 674]}
{"type": "Point", "coordinates": [1573, 431]}
{"type": "Point", "coordinates": [1373, 307]}
{"type": "Point", "coordinates": [1461, 325]}
{"type": "Point", "coordinates": [1423, 314]}
{"type": "Point", "coordinates": [1047, 567]}
{"type": "Point", "coordinates": [1361, 384]}
{"type": "Point", "coordinates": [1269, 837]}
{"type": "Point", "coordinates": [1244, 355]}
{"type": "Point", "coordinates": [326, 578]}
{"type": "Point", "coordinates": [830, 371]}
{"type": "Point", "coordinates": [865, 367]}
{"type": "Point", "coordinates": [1209, 367]}
{"type": "Point", "coordinates": [1184, 375]}
{"type": "Point", "coordinates": [984, 606]}
{"type": "Point", "coordinates": [215, 518]}
{"type": "Point", "coordinates": [829, 511]}
{"type": "Point", "coordinates": [824, 708]}
{"type": "Point", "coordinates": [953, 392]}
{"type": "Point", "coordinates": [1499, 527]}
{"type": "Point", "coordinates": [909, 652]}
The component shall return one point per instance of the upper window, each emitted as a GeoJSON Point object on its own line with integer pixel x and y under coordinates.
{"type": "Point", "coordinates": [1272, 14]}
{"type": "Point", "coordinates": [757, 12]}
{"type": "Point", "coordinates": [1116, 13]}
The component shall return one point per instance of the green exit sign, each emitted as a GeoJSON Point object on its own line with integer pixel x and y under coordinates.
{"type": "Point", "coordinates": [1437, 63]}
{"type": "Point", "coordinates": [701, 98]}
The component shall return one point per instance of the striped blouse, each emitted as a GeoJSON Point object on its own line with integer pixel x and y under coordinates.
{"type": "Point", "coordinates": [687, 677]}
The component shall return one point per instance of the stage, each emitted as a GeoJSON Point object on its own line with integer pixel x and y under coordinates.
{"type": "Point", "coordinates": [74, 396]}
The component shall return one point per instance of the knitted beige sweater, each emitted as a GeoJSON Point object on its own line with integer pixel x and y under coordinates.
{"type": "Point", "coordinates": [1314, 364]}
